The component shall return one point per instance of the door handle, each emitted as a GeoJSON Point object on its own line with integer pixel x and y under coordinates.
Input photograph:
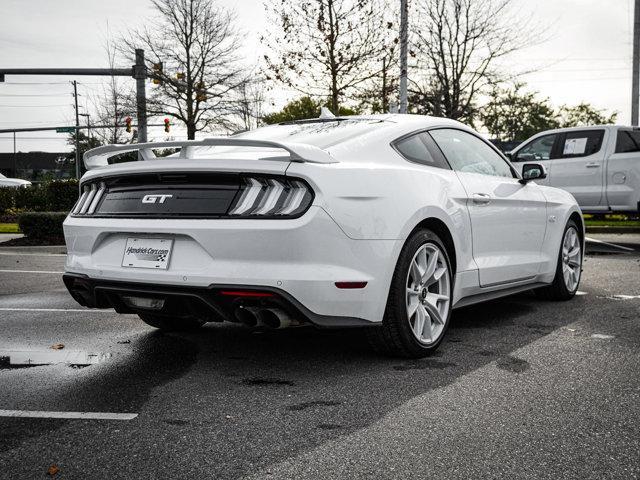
{"type": "Point", "coordinates": [592, 165]}
{"type": "Point", "coordinates": [481, 198]}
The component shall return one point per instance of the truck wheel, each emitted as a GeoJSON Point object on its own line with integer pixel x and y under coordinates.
{"type": "Point", "coordinates": [171, 324]}
{"type": "Point", "coordinates": [419, 303]}
{"type": "Point", "coordinates": [569, 268]}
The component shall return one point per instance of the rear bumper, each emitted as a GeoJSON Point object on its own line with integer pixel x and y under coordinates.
{"type": "Point", "coordinates": [300, 259]}
{"type": "Point", "coordinates": [204, 302]}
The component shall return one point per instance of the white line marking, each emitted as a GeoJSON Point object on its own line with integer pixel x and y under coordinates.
{"type": "Point", "coordinates": [31, 271]}
{"type": "Point", "coordinates": [609, 244]}
{"type": "Point", "coordinates": [580, 293]}
{"type": "Point", "coordinates": [602, 336]}
{"type": "Point", "coordinates": [21, 254]}
{"type": "Point", "coordinates": [85, 310]}
{"type": "Point", "coordinates": [68, 415]}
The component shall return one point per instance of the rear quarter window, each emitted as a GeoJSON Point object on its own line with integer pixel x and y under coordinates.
{"type": "Point", "coordinates": [628, 141]}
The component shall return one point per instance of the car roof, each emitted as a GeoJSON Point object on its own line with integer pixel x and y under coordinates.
{"type": "Point", "coordinates": [328, 132]}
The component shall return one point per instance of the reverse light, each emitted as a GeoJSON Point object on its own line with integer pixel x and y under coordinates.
{"type": "Point", "coordinates": [272, 197]}
{"type": "Point", "coordinates": [144, 302]}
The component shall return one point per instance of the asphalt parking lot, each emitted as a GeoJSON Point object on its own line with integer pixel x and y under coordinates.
{"type": "Point", "coordinates": [521, 388]}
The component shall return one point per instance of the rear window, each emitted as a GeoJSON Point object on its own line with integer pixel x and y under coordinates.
{"type": "Point", "coordinates": [628, 141]}
{"type": "Point", "coordinates": [581, 143]}
{"type": "Point", "coordinates": [322, 134]}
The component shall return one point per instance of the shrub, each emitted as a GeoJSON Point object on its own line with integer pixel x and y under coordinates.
{"type": "Point", "coordinates": [61, 195]}
{"type": "Point", "coordinates": [33, 198]}
{"type": "Point", "coordinates": [54, 196]}
{"type": "Point", "coordinates": [42, 224]}
{"type": "Point", "coordinates": [7, 199]}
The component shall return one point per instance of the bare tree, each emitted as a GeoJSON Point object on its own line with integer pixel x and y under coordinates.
{"type": "Point", "coordinates": [197, 44]}
{"type": "Point", "coordinates": [246, 108]}
{"type": "Point", "coordinates": [459, 43]}
{"type": "Point", "coordinates": [110, 106]}
{"type": "Point", "coordinates": [324, 48]}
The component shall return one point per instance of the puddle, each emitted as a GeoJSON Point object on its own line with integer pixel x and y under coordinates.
{"type": "Point", "coordinates": [33, 358]}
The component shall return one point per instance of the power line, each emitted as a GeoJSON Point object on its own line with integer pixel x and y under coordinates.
{"type": "Point", "coordinates": [34, 94]}
{"type": "Point", "coordinates": [35, 106]}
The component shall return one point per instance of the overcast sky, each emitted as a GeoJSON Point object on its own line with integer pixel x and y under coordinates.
{"type": "Point", "coordinates": [586, 55]}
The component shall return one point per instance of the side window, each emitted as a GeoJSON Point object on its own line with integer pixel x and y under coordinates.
{"type": "Point", "coordinates": [539, 149]}
{"type": "Point", "coordinates": [581, 143]}
{"type": "Point", "coordinates": [628, 141]}
{"type": "Point", "coordinates": [419, 148]}
{"type": "Point", "coordinates": [467, 153]}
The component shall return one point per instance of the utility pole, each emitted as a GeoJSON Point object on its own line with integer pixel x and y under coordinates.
{"type": "Point", "coordinates": [635, 84]}
{"type": "Point", "coordinates": [140, 74]}
{"type": "Point", "coordinates": [404, 40]}
{"type": "Point", "coordinates": [77, 133]}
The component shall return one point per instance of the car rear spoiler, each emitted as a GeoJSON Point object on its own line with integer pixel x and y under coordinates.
{"type": "Point", "coordinates": [298, 152]}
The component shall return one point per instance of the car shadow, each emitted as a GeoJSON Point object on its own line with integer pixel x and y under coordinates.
{"type": "Point", "coordinates": [274, 394]}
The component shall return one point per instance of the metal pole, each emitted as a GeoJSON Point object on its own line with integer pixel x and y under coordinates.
{"type": "Point", "coordinates": [140, 74]}
{"type": "Point", "coordinates": [15, 158]}
{"type": "Point", "coordinates": [635, 84]}
{"type": "Point", "coordinates": [404, 33]}
{"type": "Point", "coordinates": [77, 133]}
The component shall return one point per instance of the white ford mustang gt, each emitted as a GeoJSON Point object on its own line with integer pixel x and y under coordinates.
{"type": "Point", "coordinates": [385, 221]}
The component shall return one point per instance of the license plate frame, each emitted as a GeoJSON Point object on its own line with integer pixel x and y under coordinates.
{"type": "Point", "coordinates": [147, 252]}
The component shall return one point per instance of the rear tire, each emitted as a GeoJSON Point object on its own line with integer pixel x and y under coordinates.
{"type": "Point", "coordinates": [419, 304]}
{"type": "Point", "coordinates": [171, 324]}
{"type": "Point", "coordinates": [568, 269]}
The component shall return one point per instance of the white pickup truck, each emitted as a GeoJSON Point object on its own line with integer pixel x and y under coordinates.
{"type": "Point", "coordinates": [599, 165]}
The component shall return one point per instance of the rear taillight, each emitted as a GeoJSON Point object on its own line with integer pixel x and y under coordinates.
{"type": "Point", "coordinates": [89, 198]}
{"type": "Point", "coordinates": [272, 197]}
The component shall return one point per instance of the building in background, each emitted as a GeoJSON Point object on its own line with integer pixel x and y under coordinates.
{"type": "Point", "coordinates": [37, 166]}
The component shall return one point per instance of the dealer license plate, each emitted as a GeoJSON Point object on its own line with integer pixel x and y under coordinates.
{"type": "Point", "coordinates": [147, 253]}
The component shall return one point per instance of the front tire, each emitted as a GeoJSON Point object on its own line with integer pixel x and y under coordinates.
{"type": "Point", "coordinates": [171, 324]}
{"type": "Point", "coordinates": [419, 303]}
{"type": "Point", "coordinates": [569, 267]}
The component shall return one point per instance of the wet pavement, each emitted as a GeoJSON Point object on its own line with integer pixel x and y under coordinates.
{"type": "Point", "coordinates": [521, 388]}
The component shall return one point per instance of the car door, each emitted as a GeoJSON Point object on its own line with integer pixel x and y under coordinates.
{"type": "Point", "coordinates": [508, 219]}
{"type": "Point", "coordinates": [622, 183]}
{"type": "Point", "coordinates": [539, 150]}
{"type": "Point", "coordinates": [579, 166]}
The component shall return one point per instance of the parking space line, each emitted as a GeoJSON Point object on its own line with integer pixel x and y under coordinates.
{"type": "Point", "coordinates": [86, 310]}
{"type": "Point", "coordinates": [68, 415]}
{"type": "Point", "coordinates": [30, 271]}
{"type": "Point", "coordinates": [588, 239]}
{"type": "Point", "coordinates": [21, 254]}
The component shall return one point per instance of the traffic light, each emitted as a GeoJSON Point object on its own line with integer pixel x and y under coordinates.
{"type": "Point", "coordinates": [127, 122]}
{"type": "Point", "coordinates": [157, 73]}
{"type": "Point", "coordinates": [166, 125]}
{"type": "Point", "coordinates": [201, 93]}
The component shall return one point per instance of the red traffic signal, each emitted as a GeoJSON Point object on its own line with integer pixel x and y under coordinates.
{"type": "Point", "coordinates": [166, 125]}
{"type": "Point", "coordinates": [127, 122]}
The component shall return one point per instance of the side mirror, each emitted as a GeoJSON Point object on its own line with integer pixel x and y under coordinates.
{"type": "Point", "coordinates": [509, 155]}
{"type": "Point", "coordinates": [532, 171]}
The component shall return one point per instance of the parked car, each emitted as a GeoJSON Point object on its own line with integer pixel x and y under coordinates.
{"type": "Point", "coordinates": [387, 221]}
{"type": "Point", "coordinates": [599, 166]}
{"type": "Point", "coordinates": [13, 182]}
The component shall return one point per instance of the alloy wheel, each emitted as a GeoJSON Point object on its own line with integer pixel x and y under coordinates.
{"type": "Point", "coordinates": [571, 259]}
{"type": "Point", "coordinates": [428, 290]}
